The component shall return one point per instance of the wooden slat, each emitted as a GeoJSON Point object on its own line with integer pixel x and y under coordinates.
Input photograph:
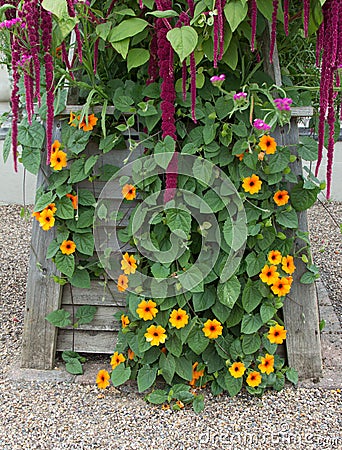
{"type": "Point", "coordinates": [103, 321]}
{"type": "Point", "coordinates": [87, 341]}
{"type": "Point", "coordinates": [96, 295]}
{"type": "Point", "coordinates": [43, 295]}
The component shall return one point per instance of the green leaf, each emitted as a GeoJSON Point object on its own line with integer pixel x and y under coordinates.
{"type": "Point", "coordinates": [287, 219]}
{"type": "Point", "coordinates": [183, 40]}
{"type": "Point", "coordinates": [280, 381]}
{"type": "Point", "coordinates": [292, 375]}
{"type": "Point", "coordinates": [7, 145]}
{"type": "Point", "coordinates": [309, 277]}
{"type": "Point", "coordinates": [198, 403]}
{"type": "Point", "coordinates": [65, 210]}
{"type": "Point", "coordinates": [251, 343]}
{"type": "Point", "coordinates": [58, 8]}
{"type": "Point", "coordinates": [77, 171]}
{"type": "Point", "coordinates": [302, 199]}
{"type": "Point", "coordinates": [59, 318]}
{"type": "Point", "coordinates": [31, 135]}
{"type": "Point", "coordinates": [184, 368]}
{"type": "Point", "coordinates": [267, 311]}
{"type": "Point", "coordinates": [229, 291]}
{"type": "Point", "coordinates": [120, 375]}
{"type": "Point", "coordinates": [160, 271]}
{"type": "Point", "coordinates": [68, 355]}
{"type": "Point", "coordinates": [308, 148]}
{"type": "Point", "coordinates": [212, 359]}
{"type": "Point", "coordinates": [103, 29]}
{"type": "Point", "coordinates": [157, 397]}
{"type": "Point", "coordinates": [204, 300]}
{"type": "Point", "coordinates": [254, 263]}
{"type": "Point", "coordinates": [279, 161]}
{"type": "Point", "coordinates": [167, 365]}
{"type": "Point", "coordinates": [163, 14]}
{"type": "Point", "coordinates": [197, 341]}
{"type": "Point", "coordinates": [235, 316]}
{"type": "Point", "coordinates": [86, 198]}
{"type": "Point", "coordinates": [235, 234]}
{"type": "Point", "coordinates": [251, 323]}
{"type": "Point", "coordinates": [85, 314]}
{"type": "Point", "coordinates": [65, 263]}
{"type": "Point", "coordinates": [233, 385]}
{"type": "Point", "coordinates": [127, 28]}
{"type": "Point", "coordinates": [146, 377]}
{"type": "Point", "coordinates": [81, 279]}
{"type": "Point", "coordinates": [251, 296]}
{"type": "Point", "coordinates": [74, 366]}
{"type": "Point", "coordinates": [178, 219]}
{"type": "Point", "coordinates": [174, 345]}
{"type": "Point", "coordinates": [137, 57]}
{"type": "Point", "coordinates": [235, 12]}
{"type": "Point", "coordinates": [84, 243]}
{"type": "Point", "coordinates": [31, 159]}
{"type": "Point", "coordinates": [52, 249]}
{"type": "Point", "coordinates": [221, 311]}
{"type": "Point", "coordinates": [43, 201]}
{"type": "Point", "coordinates": [202, 171]}
{"type": "Point", "coordinates": [86, 218]}
{"type": "Point", "coordinates": [90, 163]}
{"type": "Point", "coordinates": [75, 140]}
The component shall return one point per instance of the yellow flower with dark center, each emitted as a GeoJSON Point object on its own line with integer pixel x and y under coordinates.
{"type": "Point", "coordinates": [196, 374]}
{"type": "Point", "coordinates": [128, 264]}
{"type": "Point", "coordinates": [46, 219]}
{"type": "Point", "coordinates": [281, 287]}
{"type": "Point", "coordinates": [179, 318]}
{"type": "Point", "coordinates": [274, 257]}
{"type": "Point", "coordinates": [269, 274]}
{"type": "Point", "coordinates": [281, 197]}
{"type": "Point", "coordinates": [212, 329]}
{"type": "Point", "coordinates": [267, 364]}
{"type": "Point", "coordinates": [117, 359]}
{"type": "Point", "coordinates": [253, 379]}
{"type": "Point", "coordinates": [288, 264]}
{"type": "Point", "coordinates": [252, 184]}
{"type": "Point", "coordinates": [180, 404]}
{"type": "Point", "coordinates": [124, 321]}
{"type": "Point", "coordinates": [74, 200]}
{"type": "Point", "coordinates": [147, 309]}
{"type": "Point", "coordinates": [237, 369]}
{"type": "Point", "coordinates": [276, 334]}
{"type": "Point", "coordinates": [68, 247]}
{"type": "Point", "coordinates": [102, 379]}
{"type": "Point", "coordinates": [290, 280]}
{"type": "Point", "coordinates": [36, 215]}
{"type": "Point", "coordinates": [122, 283]}
{"type": "Point", "coordinates": [52, 207]}
{"type": "Point", "coordinates": [268, 144]}
{"type": "Point", "coordinates": [155, 335]}
{"type": "Point", "coordinates": [55, 146]}
{"type": "Point", "coordinates": [58, 160]}
{"type": "Point", "coordinates": [129, 192]}
{"type": "Point", "coordinates": [92, 120]}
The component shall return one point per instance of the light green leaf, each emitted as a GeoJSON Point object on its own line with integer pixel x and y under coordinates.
{"type": "Point", "coordinates": [59, 318]}
{"type": "Point", "coordinates": [308, 148]}
{"type": "Point", "coordinates": [81, 279]}
{"type": "Point", "coordinates": [267, 311]}
{"type": "Point", "coordinates": [157, 397]}
{"type": "Point", "coordinates": [31, 159]}
{"type": "Point", "coordinates": [292, 375]}
{"type": "Point", "coordinates": [178, 219]}
{"type": "Point", "coordinates": [7, 145]}
{"type": "Point", "coordinates": [122, 48]}
{"type": "Point", "coordinates": [43, 201]}
{"type": "Point", "coordinates": [74, 366]}
{"type": "Point", "coordinates": [137, 57]}
{"type": "Point", "coordinates": [229, 291]}
{"type": "Point", "coordinates": [85, 314]}
{"type": "Point", "coordinates": [31, 135]}
{"type": "Point", "coordinates": [287, 219]}
{"type": "Point", "coordinates": [65, 263]}
{"type": "Point", "coordinates": [103, 29]}
{"type": "Point", "coordinates": [146, 377]}
{"type": "Point", "coordinates": [120, 375]}
{"type": "Point", "coordinates": [235, 12]}
{"type": "Point", "coordinates": [57, 7]}
{"type": "Point", "coordinates": [84, 243]}
{"type": "Point", "coordinates": [163, 14]}
{"type": "Point", "coordinates": [126, 29]}
{"type": "Point", "coordinates": [52, 249]}
{"type": "Point", "coordinates": [233, 385]}
{"type": "Point", "coordinates": [197, 341]}
{"type": "Point", "coordinates": [183, 40]}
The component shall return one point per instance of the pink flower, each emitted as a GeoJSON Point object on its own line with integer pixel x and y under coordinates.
{"type": "Point", "coordinates": [217, 78]}
{"type": "Point", "coordinates": [10, 23]}
{"type": "Point", "coordinates": [261, 125]}
{"type": "Point", "coordinates": [240, 96]}
{"type": "Point", "coordinates": [283, 104]}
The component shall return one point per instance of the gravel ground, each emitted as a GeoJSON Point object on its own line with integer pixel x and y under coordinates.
{"type": "Point", "coordinates": [73, 416]}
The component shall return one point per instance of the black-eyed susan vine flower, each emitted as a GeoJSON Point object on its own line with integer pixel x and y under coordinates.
{"type": "Point", "coordinates": [196, 374]}
{"type": "Point", "coordinates": [128, 264]}
{"type": "Point", "coordinates": [74, 200]}
{"type": "Point", "coordinates": [155, 335]}
{"type": "Point", "coordinates": [276, 334]}
{"type": "Point", "coordinates": [102, 379]}
{"type": "Point", "coordinates": [288, 264]}
{"type": "Point", "coordinates": [281, 287]}
{"type": "Point", "coordinates": [212, 329]}
{"type": "Point", "coordinates": [67, 247]}
{"type": "Point", "coordinates": [89, 123]}
{"type": "Point", "coordinates": [122, 283]}
{"type": "Point", "coordinates": [58, 160]}
{"type": "Point", "coordinates": [274, 257]}
{"type": "Point", "coordinates": [46, 219]}
{"type": "Point", "coordinates": [281, 198]}
{"type": "Point", "coordinates": [147, 309]}
{"type": "Point", "coordinates": [129, 192]}
{"type": "Point", "coordinates": [253, 379]}
{"type": "Point", "coordinates": [268, 144]}
{"type": "Point", "coordinates": [269, 274]}
{"type": "Point", "coordinates": [252, 184]}
{"type": "Point", "coordinates": [130, 354]}
{"type": "Point", "coordinates": [179, 318]}
{"type": "Point", "coordinates": [237, 369]}
{"type": "Point", "coordinates": [56, 145]}
{"type": "Point", "coordinates": [124, 321]}
{"type": "Point", "coordinates": [117, 359]}
{"type": "Point", "coordinates": [267, 364]}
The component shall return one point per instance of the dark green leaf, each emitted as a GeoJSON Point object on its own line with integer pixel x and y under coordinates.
{"type": "Point", "coordinates": [85, 314]}
{"type": "Point", "coordinates": [251, 343]}
{"type": "Point", "coordinates": [59, 318]}
{"type": "Point", "coordinates": [184, 368]}
{"type": "Point", "coordinates": [65, 263]}
{"type": "Point", "coordinates": [146, 377]}
{"type": "Point", "coordinates": [120, 375]}
{"type": "Point", "coordinates": [308, 148]}
{"type": "Point", "coordinates": [65, 210]}
{"type": "Point", "coordinates": [251, 323]}
{"type": "Point", "coordinates": [157, 397]}
{"type": "Point", "coordinates": [251, 296]}
{"type": "Point", "coordinates": [84, 243]}
{"type": "Point", "coordinates": [81, 279]}
{"type": "Point", "coordinates": [287, 219]}
{"type": "Point", "coordinates": [31, 159]}
{"type": "Point", "coordinates": [229, 291]}
{"type": "Point", "coordinates": [31, 135]}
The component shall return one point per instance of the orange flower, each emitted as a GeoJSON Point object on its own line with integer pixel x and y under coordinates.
{"type": "Point", "coordinates": [288, 264]}
{"type": "Point", "coordinates": [179, 318]}
{"type": "Point", "coordinates": [58, 160]}
{"type": "Point", "coordinates": [240, 156]}
{"type": "Point", "coordinates": [252, 184]}
{"type": "Point", "coordinates": [290, 280]}
{"type": "Point", "coordinates": [281, 198]}
{"type": "Point", "coordinates": [124, 321]}
{"type": "Point", "coordinates": [237, 369]}
{"type": "Point", "coordinates": [147, 310]}
{"type": "Point", "coordinates": [117, 359]}
{"type": "Point", "coordinates": [73, 119]}
{"type": "Point", "coordinates": [196, 374]}
{"type": "Point", "coordinates": [276, 334]}
{"type": "Point", "coordinates": [268, 144]}
{"type": "Point", "coordinates": [122, 283]}
{"type": "Point", "coordinates": [212, 329]}
{"type": "Point", "coordinates": [129, 192]}
{"type": "Point", "coordinates": [92, 120]}
{"type": "Point", "coordinates": [267, 364]}
{"type": "Point", "coordinates": [128, 264]}
{"type": "Point", "coordinates": [36, 215]}
{"type": "Point", "coordinates": [180, 404]}
{"type": "Point", "coordinates": [51, 207]}
{"type": "Point", "coordinates": [102, 379]}
{"type": "Point", "coordinates": [274, 257]}
{"type": "Point", "coordinates": [74, 200]}
{"type": "Point", "coordinates": [46, 219]}
{"type": "Point", "coordinates": [155, 335]}
{"type": "Point", "coordinates": [130, 354]}
{"type": "Point", "coordinates": [269, 274]}
{"type": "Point", "coordinates": [67, 247]}
{"type": "Point", "coordinates": [281, 287]}
{"type": "Point", "coordinates": [55, 146]}
{"type": "Point", "coordinates": [261, 156]}
{"type": "Point", "coordinates": [253, 379]}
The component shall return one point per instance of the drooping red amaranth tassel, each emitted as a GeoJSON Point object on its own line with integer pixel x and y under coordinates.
{"type": "Point", "coordinates": [306, 16]}
{"type": "Point", "coordinates": [254, 12]}
{"type": "Point", "coordinates": [72, 13]}
{"type": "Point", "coordinates": [286, 16]}
{"type": "Point", "coordinates": [273, 29]}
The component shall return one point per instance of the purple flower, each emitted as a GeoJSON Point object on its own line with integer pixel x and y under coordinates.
{"type": "Point", "coordinates": [217, 78]}
{"type": "Point", "coordinates": [283, 104]}
{"type": "Point", "coordinates": [10, 23]}
{"type": "Point", "coordinates": [240, 96]}
{"type": "Point", "coordinates": [261, 125]}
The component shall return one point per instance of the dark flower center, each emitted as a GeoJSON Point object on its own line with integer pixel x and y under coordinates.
{"type": "Point", "coordinates": [269, 273]}
{"type": "Point", "coordinates": [276, 333]}
{"type": "Point", "coordinates": [155, 334]}
{"type": "Point", "coordinates": [280, 196]}
{"type": "Point", "coordinates": [253, 377]}
{"type": "Point", "coordinates": [48, 219]}
{"type": "Point", "coordinates": [58, 159]}
{"type": "Point", "coordinates": [178, 318]}
{"type": "Point", "coordinates": [130, 191]}
{"type": "Point", "coordinates": [68, 246]}
{"type": "Point", "coordinates": [212, 328]}
{"type": "Point", "coordinates": [266, 363]}
{"type": "Point", "coordinates": [251, 183]}
{"type": "Point", "coordinates": [147, 309]}
{"type": "Point", "coordinates": [268, 143]}
{"type": "Point", "coordinates": [280, 286]}
{"type": "Point", "coordinates": [236, 368]}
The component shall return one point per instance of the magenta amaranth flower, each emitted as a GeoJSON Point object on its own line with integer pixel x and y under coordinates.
{"type": "Point", "coordinates": [283, 104]}
{"type": "Point", "coordinates": [240, 96]}
{"type": "Point", "coordinates": [261, 125]}
{"type": "Point", "coordinates": [10, 23]}
{"type": "Point", "coordinates": [217, 78]}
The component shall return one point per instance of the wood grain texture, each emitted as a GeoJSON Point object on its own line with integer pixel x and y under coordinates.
{"type": "Point", "coordinates": [97, 295]}
{"type": "Point", "coordinates": [87, 341]}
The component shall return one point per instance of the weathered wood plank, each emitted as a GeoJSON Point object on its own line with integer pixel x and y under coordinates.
{"type": "Point", "coordinates": [87, 341]}
{"type": "Point", "coordinates": [43, 295]}
{"type": "Point", "coordinates": [103, 320]}
{"type": "Point", "coordinates": [97, 295]}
